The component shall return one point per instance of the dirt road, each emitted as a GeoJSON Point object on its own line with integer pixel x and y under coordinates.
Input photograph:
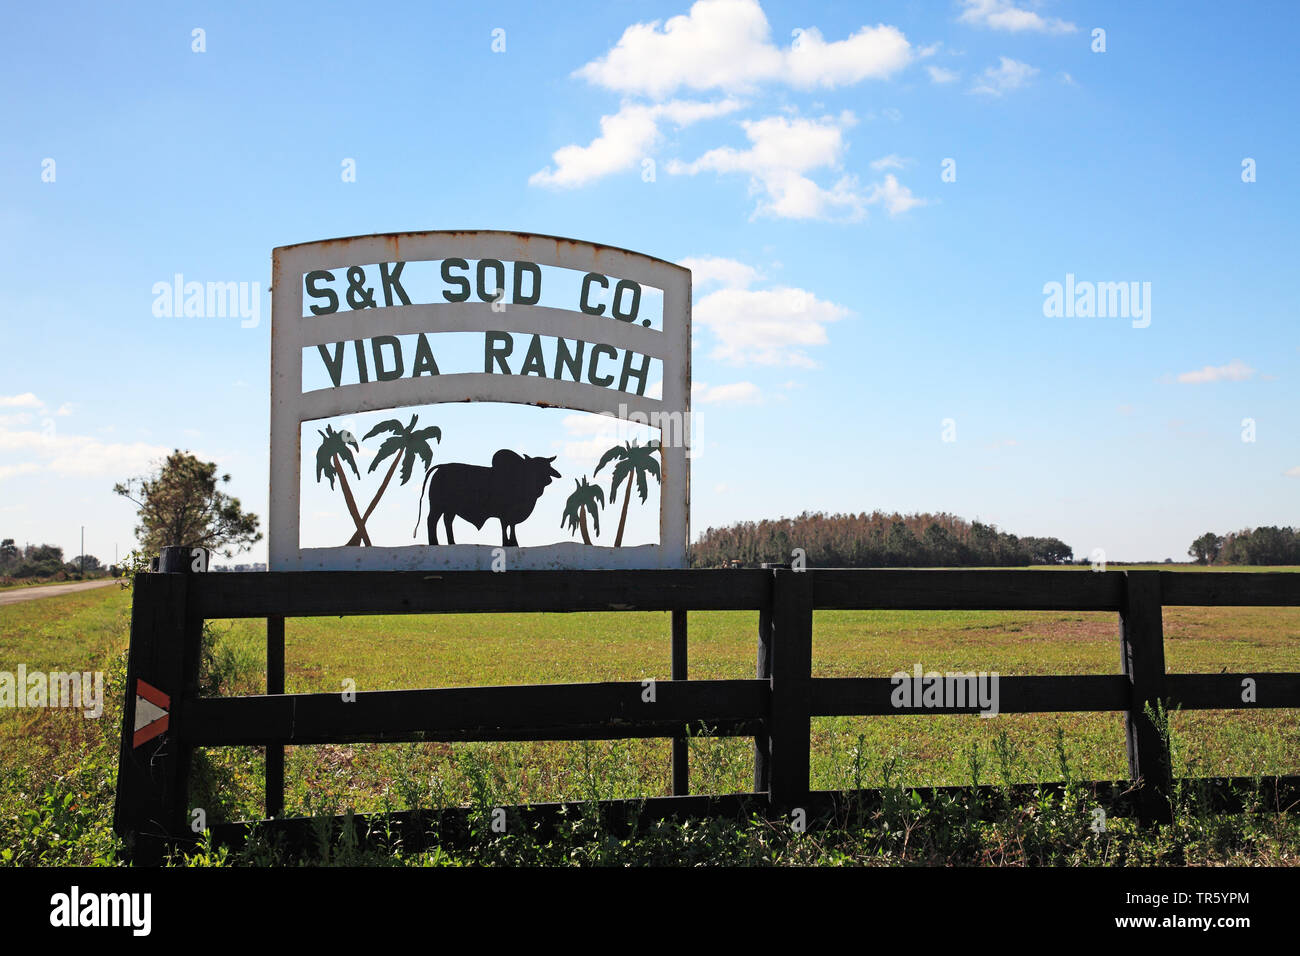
{"type": "Point", "coordinates": [17, 595]}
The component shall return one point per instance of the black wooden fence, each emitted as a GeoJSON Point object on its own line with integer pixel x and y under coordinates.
{"type": "Point", "coordinates": [775, 708]}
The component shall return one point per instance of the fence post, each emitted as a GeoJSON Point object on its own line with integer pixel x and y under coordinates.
{"type": "Point", "coordinates": [162, 671]}
{"type": "Point", "coordinates": [791, 682]}
{"type": "Point", "coordinates": [763, 671]}
{"type": "Point", "coordinates": [275, 685]}
{"type": "Point", "coordinates": [681, 755]}
{"type": "Point", "coordinates": [1142, 658]}
{"type": "Point", "coordinates": [762, 740]}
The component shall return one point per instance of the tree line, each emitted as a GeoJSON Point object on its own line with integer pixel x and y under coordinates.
{"type": "Point", "coordinates": [878, 539]}
{"type": "Point", "coordinates": [44, 561]}
{"type": "Point", "coordinates": [1265, 545]}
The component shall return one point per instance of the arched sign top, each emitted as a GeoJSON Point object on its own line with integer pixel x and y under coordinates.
{"type": "Point", "coordinates": [411, 243]}
{"type": "Point", "coordinates": [402, 320]}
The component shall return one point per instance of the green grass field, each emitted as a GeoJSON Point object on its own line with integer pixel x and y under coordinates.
{"type": "Point", "coordinates": [88, 631]}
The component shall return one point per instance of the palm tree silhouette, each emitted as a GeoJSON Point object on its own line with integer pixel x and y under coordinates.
{"type": "Point", "coordinates": [333, 448]}
{"type": "Point", "coordinates": [586, 498]}
{"type": "Point", "coordinates": [633, 461]}
{"type": "Point", "coordinates": [404, 445]}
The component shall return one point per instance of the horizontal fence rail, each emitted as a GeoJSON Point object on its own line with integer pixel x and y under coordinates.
{"type": "Point", "coordinates": [527, 712]}
{"type": "Point", "coordinates": [775, 708]}
{"type": "Point", "coordinates": [871, 696]}
{"type": "Point", "coordinates": [331, 593]}
{"type": "Point", "coordinates": [960, 590]}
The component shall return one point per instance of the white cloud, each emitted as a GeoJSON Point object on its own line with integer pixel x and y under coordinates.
{"type": "Point", "coordinates": [80, 454]}
{"type": "Point", "coordinates": [29, 400]}
{"type": "Point", "coordinates": [592, 435]}
{"type": "Point", "coordinates": [896, 197]}
{"type": "Point", "coordinates": [760, 327]}
{"type": "Point", "coordinates": [720, 43]}
{"type": "Point", "coordinates": [782, 150]}
{"type": "Point", "coordinates": [766, 327]}
{"type": "Point", "coordinates": [892, 161]}
{"type": "Point", "coordinates": [1292, 472]}
{"type": "Point", "coordinates": [778, 143]}
{"type": "Point", "coordinates": [85, 456]}
{"type": "Point", "coordinates": [8, 471]}
{"type": "Point", "coordinates": [873, 53]}
{"type": "Point", "coordinates": [686, 112]}
{"type": "Point", "coordinates": [746, 393]}
{"type": "Point", "coordinates": [588, 424]}
{"type": "Point", "coordinates": [1005, 15]}
{"type": "Point", "coordinates": [706, 270]}
{"type": "Point", "coordinates": [1008, 75]}
{"type": "Point", "coordinates": [940, 75]}
{"type": "Point", "coordinates": [726, 44]}
{"type": "Point", "coordinates": [1234, 371]}
{"type": "Point", "coordinates": [625, 138]}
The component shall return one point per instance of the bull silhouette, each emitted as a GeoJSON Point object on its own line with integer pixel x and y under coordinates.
{"type": "Point", "coordinates": [507, 491]}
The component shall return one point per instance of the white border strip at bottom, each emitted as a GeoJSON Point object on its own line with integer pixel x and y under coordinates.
{"type": "Point", "coordinates": [566, 555]}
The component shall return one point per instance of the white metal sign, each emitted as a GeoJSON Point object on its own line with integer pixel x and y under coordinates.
{"type": "Point", "coordinates": [354, 311]}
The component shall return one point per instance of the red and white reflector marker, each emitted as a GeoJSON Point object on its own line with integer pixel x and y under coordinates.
{"type": "Point", "coordinates": [151, 717]}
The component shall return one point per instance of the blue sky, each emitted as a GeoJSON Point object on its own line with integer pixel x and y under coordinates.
{"type": "Point", "coordinates": [848, 298]}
